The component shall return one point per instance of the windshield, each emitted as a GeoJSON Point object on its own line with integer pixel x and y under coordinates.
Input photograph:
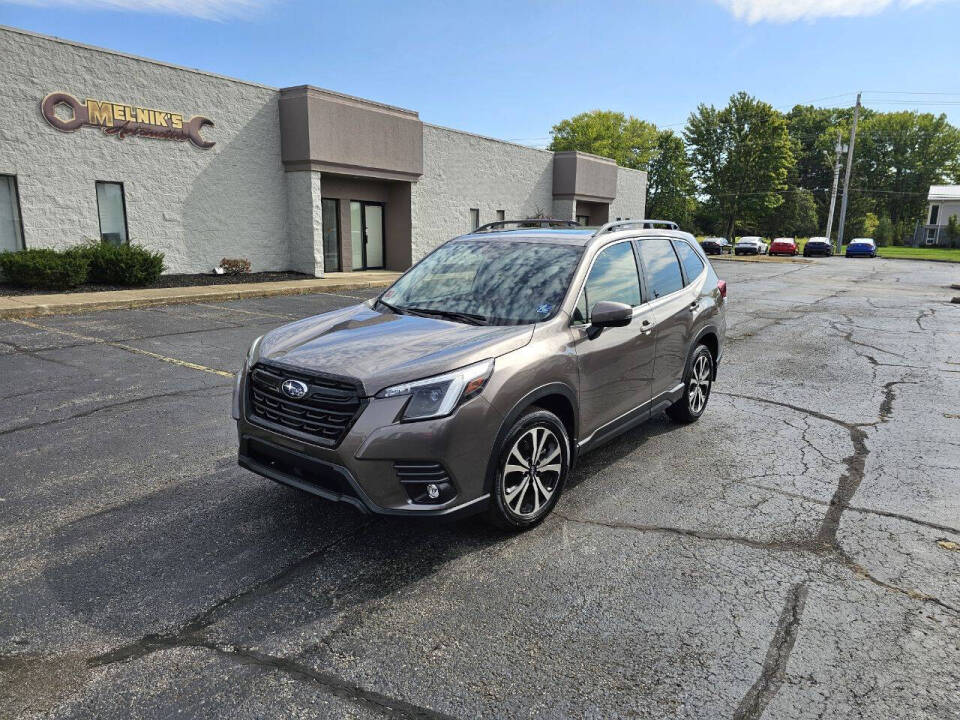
{"type": "Point", "coordinates": [487, 282]}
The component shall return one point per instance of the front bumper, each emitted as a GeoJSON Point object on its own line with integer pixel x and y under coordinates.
{"type": "Point", "coordinates": [361, 470]}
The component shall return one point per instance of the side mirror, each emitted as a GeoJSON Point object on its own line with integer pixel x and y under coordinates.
{"type": "Point", "coordinates": [610, 314]}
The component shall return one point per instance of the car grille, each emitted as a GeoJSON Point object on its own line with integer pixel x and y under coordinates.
{"type": "Point", "coordinates": [325, 413]}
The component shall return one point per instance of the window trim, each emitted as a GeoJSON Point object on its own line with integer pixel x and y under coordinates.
{"type": "Point", "coordinates": [930, 220]}
{"type": "Point", "coordinates": [123, 204]}
{"type": "Point", "coordinates": [586, 276]}
{"type": "Point", "coordinates": [19, 208]}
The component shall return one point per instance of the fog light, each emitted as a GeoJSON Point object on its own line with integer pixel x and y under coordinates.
{"type": "Point", "coordinates": [433, 492]}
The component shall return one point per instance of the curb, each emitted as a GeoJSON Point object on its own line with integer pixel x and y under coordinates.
{"type": "Point", "coordinates": [758, 259]}
{"type": "Point", "coordinates": [23, 306]}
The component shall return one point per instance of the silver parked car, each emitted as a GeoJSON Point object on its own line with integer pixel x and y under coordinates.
{"type": "Point", "coordinates": [750, 245]}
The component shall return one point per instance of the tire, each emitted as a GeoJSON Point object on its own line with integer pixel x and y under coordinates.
{"type": "Point", "coordinates": [512, 504]}
{"type": "Point", "coordinates": [698, 375]}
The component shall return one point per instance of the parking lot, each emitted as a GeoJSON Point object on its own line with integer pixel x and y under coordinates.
{"type": "Point", "coordinates": [792, 555]}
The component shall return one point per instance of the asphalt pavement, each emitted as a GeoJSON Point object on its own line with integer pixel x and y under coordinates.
{"type": "Point", "coordinates": [795, 554]}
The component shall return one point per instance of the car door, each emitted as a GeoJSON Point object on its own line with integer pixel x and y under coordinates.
{"type": "Point", "coordinates": [674, 305]}
{"type": "Point", "coordinates": [616, 363]}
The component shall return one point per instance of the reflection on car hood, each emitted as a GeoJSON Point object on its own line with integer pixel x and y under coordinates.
{"type": "Point", "coordinates": [383, 348]}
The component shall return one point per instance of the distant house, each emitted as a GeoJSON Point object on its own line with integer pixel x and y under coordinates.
{"type": "Point", "coordinates": [943, 201]}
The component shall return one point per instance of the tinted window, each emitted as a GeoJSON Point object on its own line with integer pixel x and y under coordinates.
{"type": "Point", "coordinates": [692, 264]}
{"type": "Point", "coordinates": [660, 266]}
{"type": "Point", "coordinates": [613, 277]}
{"type": "Point", "coordinates": [509, 283]}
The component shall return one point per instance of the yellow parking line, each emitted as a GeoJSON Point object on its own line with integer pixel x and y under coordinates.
{"type": "Point", "coordinates": [248, 312]}
{"type": "Point", "coordinates": [128, 348]}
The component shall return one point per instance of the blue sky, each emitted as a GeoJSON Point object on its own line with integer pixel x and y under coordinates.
{"type": "Point", "coordinates": [513, 69]}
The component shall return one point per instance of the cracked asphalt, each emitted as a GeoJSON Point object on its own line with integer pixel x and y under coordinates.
{"type": "Point", "coordinates": [788, 556]}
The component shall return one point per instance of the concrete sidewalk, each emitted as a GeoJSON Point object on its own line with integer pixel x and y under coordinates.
{"type": "Point", "coordinates": [19, 306]}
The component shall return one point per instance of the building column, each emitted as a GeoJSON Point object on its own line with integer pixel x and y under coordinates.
{"type": "Point", "coordinates": [564, 209]}
{"type": "Point", "coordinates": [304, 222]}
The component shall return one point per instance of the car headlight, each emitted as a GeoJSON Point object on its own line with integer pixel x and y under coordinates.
{"type": "Point", "coordinates": [439, 395]}
{"type": "Point", "coordinates": [252, 353]}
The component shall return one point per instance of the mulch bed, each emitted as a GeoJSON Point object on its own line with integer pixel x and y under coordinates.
{"type": "Point", "coordinates": [169, 281]}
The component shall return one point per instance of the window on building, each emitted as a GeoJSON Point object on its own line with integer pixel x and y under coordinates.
{"type": "Point", "coordinates": [474, 218]}
{"type": "Point", "coordinates": [934, 214]}
{"type": "Point", "coordinates": [613, 277]}
{"type": "Point", "coordinates": [931, 236]}
{"type": "Point", "coordinates": [660, 266]}
{"type": "Point", "coordinates": [11, 230]}
{"type": "Point", "coordinates": [113, 213]}
{"type": "Point", "coordinates": [501, 215]}
{"type": "Point", "coordinates": [691, 262]}
{"type": "Point", "coordinates": [583, 220]}
{"type": "Point", "coordinates": [330, 221]}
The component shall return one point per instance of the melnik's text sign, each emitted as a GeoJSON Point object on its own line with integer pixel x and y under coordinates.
{"type": "Point", "coordinates": [123, 120]}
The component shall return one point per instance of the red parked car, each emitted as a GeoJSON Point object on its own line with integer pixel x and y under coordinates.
{"type": "Point", "coordinates": [783, 246]}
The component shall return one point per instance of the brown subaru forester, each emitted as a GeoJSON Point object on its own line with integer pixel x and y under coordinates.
{"type": "Point", "coordinates": [474, 382]}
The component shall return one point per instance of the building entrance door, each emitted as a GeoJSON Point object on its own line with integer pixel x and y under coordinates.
{"type": "Point", "coordinates": [366, 235]}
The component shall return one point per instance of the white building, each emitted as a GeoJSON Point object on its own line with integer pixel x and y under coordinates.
{"type": "Point", "coordinates": [98, 144]}
{"type": "Point", "coordinates": [943, 202]}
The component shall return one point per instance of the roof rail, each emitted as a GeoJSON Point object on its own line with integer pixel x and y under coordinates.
{"type": "Point", "coordinates": [528, 223]}
{"type": "Point", "coordinates": [642, 223]}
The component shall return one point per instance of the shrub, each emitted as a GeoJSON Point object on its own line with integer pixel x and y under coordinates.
{"type": "Point", "coordinates": [44, 269]}
{"type": "Point", "coordinates": [235, 266]}
{"type": "Point", "coordinates": [120, 264]}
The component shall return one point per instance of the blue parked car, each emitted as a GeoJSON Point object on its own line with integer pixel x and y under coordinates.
{"type": "Point", "coordinates": [862, 247]}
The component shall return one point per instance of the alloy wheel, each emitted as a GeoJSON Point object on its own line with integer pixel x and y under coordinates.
{"type": "Point", "coordinates": [532, 471]}
{"type": "Point", "coordinates": [699, 388]}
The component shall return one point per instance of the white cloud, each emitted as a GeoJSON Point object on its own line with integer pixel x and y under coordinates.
{"type": "Point", "coordinates": [754, 11]}
{"type": "Point", "coordinates": [206, 9]}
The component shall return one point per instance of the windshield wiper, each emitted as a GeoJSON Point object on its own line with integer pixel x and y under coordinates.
{"type": "Point", "coordinates": [469, 318]}
{"type": "Point", "coordinates": [391, 308]}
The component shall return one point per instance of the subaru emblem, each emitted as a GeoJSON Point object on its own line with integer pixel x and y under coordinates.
{"type": "Point", "coordinates": [294, 389]}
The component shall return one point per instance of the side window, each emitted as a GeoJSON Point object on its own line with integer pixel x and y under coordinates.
{"type": "Point", "coordinates": [692, 264]}
{"type": "Point", "coordinates": [613, 277]}
{"type": "Point", "coordinates": [113, 213]}
{"type": "Point", "coordinates": [660, 266]}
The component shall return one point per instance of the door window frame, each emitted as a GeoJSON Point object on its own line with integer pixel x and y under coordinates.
{"type": "Point", "coordinates": [363, 233]}
{"type": "Point", "coordinates": [643, 268]}
{"type": "Point", "coordinates": [17, 207]}
{"type": "Point", "coordinates": [583, 285]}
{"type": "Point", "coordinates": [683, 270]}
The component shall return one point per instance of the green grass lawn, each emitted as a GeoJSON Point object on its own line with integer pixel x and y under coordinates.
{"type": "Point", "coordinates": [920, 253]}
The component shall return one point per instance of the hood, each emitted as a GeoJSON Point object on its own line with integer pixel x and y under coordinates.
{"type": "Point", "coordinates": [381, 348]}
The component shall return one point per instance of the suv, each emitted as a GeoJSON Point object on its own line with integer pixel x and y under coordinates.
{"type": "Point", "coordinates": [476, 380]}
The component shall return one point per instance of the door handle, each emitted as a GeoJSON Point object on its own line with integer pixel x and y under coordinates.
{"type": "Point", "coordinates": [694, 305]}
{"type": "Point", "coordinates": [646, 327]}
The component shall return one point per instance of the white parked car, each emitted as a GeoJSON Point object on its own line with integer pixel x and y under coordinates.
{"type": "Point", "coordinates": [750, 245]}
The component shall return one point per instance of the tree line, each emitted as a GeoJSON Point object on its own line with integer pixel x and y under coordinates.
{"type": "Point", "coordinates": [749, 169]}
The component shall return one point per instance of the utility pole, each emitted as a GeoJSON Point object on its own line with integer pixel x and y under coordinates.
{"type": "Point", "coordinates": [846, 174]}
{"type": "Point", "coordinates": [836, 181]}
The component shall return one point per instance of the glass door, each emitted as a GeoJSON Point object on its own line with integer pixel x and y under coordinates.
{"type": "Point", "coordinates": [366, 235]}
{"type": "Point", "coordinates": [373, 226]}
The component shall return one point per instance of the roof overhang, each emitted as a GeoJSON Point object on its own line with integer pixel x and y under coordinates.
{"type": "Point", "coordinates": [581, 176]}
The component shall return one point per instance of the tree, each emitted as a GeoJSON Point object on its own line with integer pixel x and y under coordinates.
{"type": "Point", "coordinates": [669, 185]}
{"type": "Point", "coordinates": [884, 232]}
{"type": "Point", "coordinates": [953, 231]}
{"type": "Point", "coordinates": [740, 157]}
{"type": "Point", "coordinates": [626, 139]}
{"type": "Point", "coordinates": [899, 156]}
{"type": "Point", "coordinates": [796, 216]}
